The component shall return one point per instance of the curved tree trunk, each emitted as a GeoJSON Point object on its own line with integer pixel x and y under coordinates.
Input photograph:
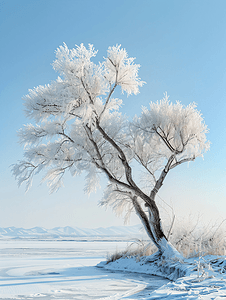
{"type": "Point", "coordinates": [144, 220]}
{"type": "Point", "coordinates": [152, 225]}
{"type": "Point", "coordinates": [151, 221]}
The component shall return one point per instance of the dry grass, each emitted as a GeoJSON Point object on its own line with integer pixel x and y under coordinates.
{"type": "Point", "coordinates": [138, 248]}
{"type": "Point", "coordinates": [189, 240]}
{"type": "Point", "coordinates": [192, 241]}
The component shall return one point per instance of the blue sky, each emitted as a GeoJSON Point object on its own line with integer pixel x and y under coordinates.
{"type": "Point", "coordinates": [181, 47]}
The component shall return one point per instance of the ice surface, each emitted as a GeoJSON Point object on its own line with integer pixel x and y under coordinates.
{"type": "Point", "coordinates": [67, 270]}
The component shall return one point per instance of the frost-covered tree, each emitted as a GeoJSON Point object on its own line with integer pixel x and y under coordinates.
{"type": "Point", "coordinates": [79, 128]}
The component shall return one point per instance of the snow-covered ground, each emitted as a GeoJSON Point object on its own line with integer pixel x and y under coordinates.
{"type": "Point", "coordinates": [67, 270]}
{"type": "Point", "coordinates": [194, 278]}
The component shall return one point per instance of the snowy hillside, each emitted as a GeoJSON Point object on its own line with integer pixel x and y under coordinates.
{"type": "Point", "coordinates": [72, 232]}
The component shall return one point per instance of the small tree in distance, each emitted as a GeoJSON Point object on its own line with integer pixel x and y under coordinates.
{"type": "Point", "coordinates": [79, 128]}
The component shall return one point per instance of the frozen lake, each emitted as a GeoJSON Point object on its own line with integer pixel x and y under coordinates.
{"type": "Point", "coordinates": [66, 270]}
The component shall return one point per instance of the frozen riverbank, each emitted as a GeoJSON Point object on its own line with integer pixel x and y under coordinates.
{"type": "Point", "coordinates": [194, 278]}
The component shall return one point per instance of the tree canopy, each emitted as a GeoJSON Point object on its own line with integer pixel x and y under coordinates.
{"type": "Point", "coordinates": [79, 127]}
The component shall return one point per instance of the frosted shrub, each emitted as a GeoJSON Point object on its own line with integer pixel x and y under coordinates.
{"type": "Point", "coordinates": [188, 239]}
{"type": "Point", "coordinates": [193, 241]}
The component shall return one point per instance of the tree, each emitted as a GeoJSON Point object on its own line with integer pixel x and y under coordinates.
{"type": "Point", "coordinates": [79, 128]}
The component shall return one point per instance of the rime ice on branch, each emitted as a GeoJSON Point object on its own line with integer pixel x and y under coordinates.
{"type": "Point", "coordinates": [79, 128]}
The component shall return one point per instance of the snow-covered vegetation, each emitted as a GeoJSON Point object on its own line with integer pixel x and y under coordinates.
{"type": "Point", "coordinates": [193, 240]}
{"type": "Point", "coordinates": [189, 239]}
{"type": "Point", "coordinates": [79, 128]}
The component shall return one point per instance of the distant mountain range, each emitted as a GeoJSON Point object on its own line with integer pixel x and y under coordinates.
{"type": "Point", "coordinates": [71, 232]}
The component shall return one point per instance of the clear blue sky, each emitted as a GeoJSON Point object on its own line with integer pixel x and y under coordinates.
{"type": "Point", "coordinates": [181, 47]}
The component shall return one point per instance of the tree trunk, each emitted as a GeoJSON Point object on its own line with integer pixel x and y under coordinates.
{"type": "Point", "coordinates": [143, 217]}
{"type": "Point", "coordinates": [152, 221]}
{"type": "Point", "coordinates": [152, 225]}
